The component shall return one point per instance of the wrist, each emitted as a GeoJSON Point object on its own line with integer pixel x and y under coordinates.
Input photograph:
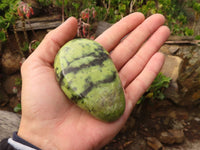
{"type": "Point", "coordinates": [25, 143]}
{"type": "Point", "coordinates": [35, 135]}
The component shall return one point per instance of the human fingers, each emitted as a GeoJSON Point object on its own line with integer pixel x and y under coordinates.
{"type": "Point", "coordinates": [112, 36]}
{"type": "Point", "coordinates": [131, 44]}
{"type": "Point", "coordinates": [141, 83]}
{"type": "Point", "coordinates": [55, 39]}
{"type": "Point", "coordinates": [136, 64]}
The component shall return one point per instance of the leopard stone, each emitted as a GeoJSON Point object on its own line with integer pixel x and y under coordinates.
{"type": "Point", "coordinates": [88, 77]}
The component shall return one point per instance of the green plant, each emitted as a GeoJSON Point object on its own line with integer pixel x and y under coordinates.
{"type": "Point", "coordinates": [18, 82]}
{"type": "Point", "coordinates": [197, 37]}
{"type": "Point", "coordinates": [25, 47]}
{"type": "Point", "coordinates": [33, 45]}
{"type": "Point", "coordinates": [195, 5]}
{"type": "Point", "coordinates": [8, 10]}
{"type": "Point", "coordinates": [45, 2]}
{"type": "Point", "coordinates": [76, 6]}
{"type": "Point", "coordinates": [73, 7]}
{"type": "Point", "coordinates": [3, 32]}
{"type": "Point", "coordinates": [17, 108]}
{"type": "Point", "coordinates": [156, 90]}
{"type": "Point", "coordinates": [115, 9]}
{"type": "Point", "coordinates": [2, 36]}
{"type": "Point", "coordinates": [173, 10]}
{"type": "Point", "coordinates": [17, 90]}
{"type": "Point", "coordinates": [188, 32]}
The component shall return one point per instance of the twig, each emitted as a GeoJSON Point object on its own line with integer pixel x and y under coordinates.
{"type": "Point", "coordinates": [32, 28]}
{"type": "Point", "coordinates": [16, 37]}
{"type": "Point", "coordinates": [131, 6]}
{"type": "Point", "coordinates": [107, 9]}
{"type": "Point", "coordinates": [193, 42]}
{"type": "Point", "coordinates": [24, 29]}
{"type": "Point", "coordinates": [63, 14]}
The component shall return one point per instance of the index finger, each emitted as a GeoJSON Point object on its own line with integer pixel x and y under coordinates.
{"type": "Point", "coordinates": [112, 36]}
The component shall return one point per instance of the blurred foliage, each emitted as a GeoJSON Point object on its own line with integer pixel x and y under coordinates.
{"type": "Point", "coordinates": [114, 10]}
{"type": "Point", "coordinates": [195, 4]}
{"type": "Point", "coordinates": [2, 36]}
{"type": "Point", "coordinates": [72, 7]}
{"type": "Point", "coordinates": [197, 37]}
{"type": "Point", "coordinates": [18, 82]}
{"type": "Point", "coordinates": [35, 45]}
{"type": "Point", "coordinates": [25, 47]}
{"type": "Point", "coordinates": [173, 10]}
{"type": "Point", "coordinates": [8, 11]}
{"type": "Point", "coordinates": [17, 108]}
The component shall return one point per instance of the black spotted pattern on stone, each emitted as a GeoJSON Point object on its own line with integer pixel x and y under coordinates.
{"type": "Point", "coordinates": [108, 79]}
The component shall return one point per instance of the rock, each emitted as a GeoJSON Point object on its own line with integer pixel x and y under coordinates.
{"type": "Point", "coordinates": [184, 70]}
{"type": "Point", "coordinates": [102, 26]}
{"type": "Point", "coordinates": [178, 135]}
{"type": "Point", "coordinates": [177, 125]}
{"type": "Point", "coordinates": [138, 143]}
{"type": "Point", "coordinates": [165, 49]}
{"type": "Point", "coordinates": [3, 97]}
{"type": "Point", "coordinates": [187, 145]}
{"type": "Point", "coordinates": [171, 68]}
{"type": "Point", "coordinates": [10, 82]}
{"type": "Point", "coordinates": [172, 136]}
{"type": "Point", "coordinates": [13, 102]}
{"type": "Point", "coordinates": [197, 25]}
{"type": "Point", "coordinates": [10, 62]}
{"type": "Point", "coordinates": [154, 143]}
{"type": "Point", "coordinates": [178, 115]}
{"type": "Point", "coordinates": [197, 119]}
{"type": "Point", "coordinates": [173, 49]}
{"type": "Point", "coordinates": [169, 49]}
{"type": "Point", "coordinates": [167, 138]}
{"type": "Point", "coordinates": [9, 123]}
{"type": "Point", "coordinates": [189, 80]}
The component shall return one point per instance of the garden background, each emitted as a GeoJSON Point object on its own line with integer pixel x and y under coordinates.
{"type": "Point", "coordinates": [167, 115]}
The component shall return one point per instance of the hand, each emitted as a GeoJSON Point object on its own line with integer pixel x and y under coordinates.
{"type": "Point", "coordinates": [50, 120]}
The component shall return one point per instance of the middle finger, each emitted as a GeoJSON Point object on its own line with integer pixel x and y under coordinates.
{"type": "Point", "coordinates": [130, 45]}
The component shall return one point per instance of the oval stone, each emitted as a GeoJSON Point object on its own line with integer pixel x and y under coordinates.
{"type": "Point", "coordinates": [88, 77]}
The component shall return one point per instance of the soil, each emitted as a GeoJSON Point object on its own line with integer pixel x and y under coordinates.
{"type": "Point", "coordinates": [151, 119]}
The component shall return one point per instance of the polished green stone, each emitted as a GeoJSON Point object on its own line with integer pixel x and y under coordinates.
{"type": "Point", "coordinates": [88, 77]}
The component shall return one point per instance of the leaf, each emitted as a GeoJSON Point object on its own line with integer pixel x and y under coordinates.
{"type": "Point", "coordinates": [2, 36]}
{"type": "Point", "coordinates": [17, 108]}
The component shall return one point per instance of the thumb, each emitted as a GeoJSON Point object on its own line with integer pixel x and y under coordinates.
{"type": "Point", "coordinates": [54, 40]}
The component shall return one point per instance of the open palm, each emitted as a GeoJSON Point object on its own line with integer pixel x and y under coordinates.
{"type": "Point", "coordinates": [50, 120]}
